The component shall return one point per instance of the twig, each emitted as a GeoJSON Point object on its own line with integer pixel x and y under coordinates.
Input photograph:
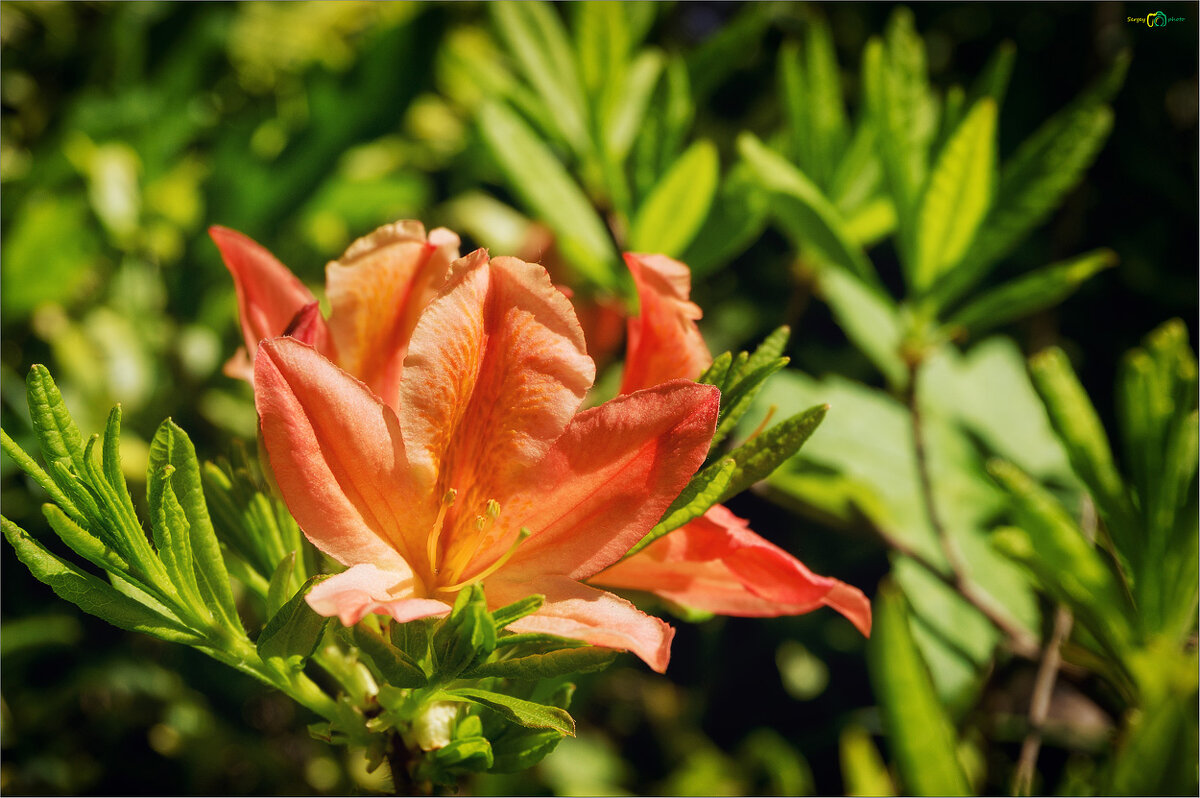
{"type": "Point", "coordinates": [1043, 686]}
{"type": "Point", "coordinates": [1020, 639]}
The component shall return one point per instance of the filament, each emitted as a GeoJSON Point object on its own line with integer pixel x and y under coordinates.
{"type": "Point", "coordinates": [436, 532]}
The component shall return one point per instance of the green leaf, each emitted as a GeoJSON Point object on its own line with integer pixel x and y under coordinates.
{"type": "Point", "coordinates": [294, 632]}
{"type": "Point", "coordinates": [1052, 546]}
{"type": "Point", "coordinates": [525, 713]}
{"type": "Point", "coordinates": [1032, 184]}
{"type": "Point", "coordinates": [467, 635]}
{"type": "Point", "coordinates": [904, 115]}
{"type": "Point", "coordinates": [736, 401]}
{"type": "Point", "coordinates": [89, 593]}
{"type": "Point", "coordinates": [112, 467]}
{"type": "Point", "coordinates": [700, 494]}
{"type": "Point", "coordinates": [280, 587]}
{"type": "Point", "coordinates": [171, 445]}
{"type": "Point", "coordinates": [919, 732]}
{"type": "Point", "coordinates": [993, 80]}
{"type": "Point", "coordinates": [624, 120]}
{"type": "Point", "coordinates": [52, 421]}
{"type": "Point", "coordinates": [412, 638]}
{"type": "Point", "coordinates": [671, 215]}
{"type": "Point", "coordinates": [813, 100]}
{"type": "Point", "coordinates": [397, 667]}
{"type": "Point", "coordinates": [718, 370]}
{"type": "Point", "coordinates": [811, 216]}
{"type": "Point", "coordinates": [736, 220]}
{"type": "Point", "coordinates": [547, 190]}
{"type": "Point", "coordinates": [446, 764]}
{"type": "Point", "coordinates": [1035, 291]}
{"type": "Point", "coordinates": [770, 349]}
{"type": "Point", "coordinates": [863, 769]}
{"type": "Point", "coordinates": [760, 456]}
{"type": "Point", "coordinates": [870, 320]}
{"type": "Point", "coordinates": [537, 40]}
{"type": "Point", "coordinates": [515, 752]}
{"type": "Point", "coordinates": [35, 472]}
{"type": "Point", "coordinates": [546, 666]}
{"type": "Point", "coordinates": [82, 542]}
{"type": "Point", "coordinates": [957, 197]}
{"type": "Point", "coordinates": [1078, 427]}
{"type": "Point", "coordinates": [171, 538]}
{"type": "Point", "coordinates": [511, 613]}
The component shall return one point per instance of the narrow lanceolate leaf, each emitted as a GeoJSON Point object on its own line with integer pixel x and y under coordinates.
{"type": "Point", "coordinates": [35, 472]}
{"type": "Point", "coordinates": [870, 320]}
{"type": "Point", "coordinates": [763, 454]}
{"type": "Point", "coordinates": [172, 538]}
{"type": "Point", "coordinates": [525, 713]}
{"type": "Point", "coordinates": [1035, 291]}
{"type": "Point", "coordinates": [293, 633]}
{"type": "Point", "coordinates": [546, 666]}
{"type": "Point", "coordinates": [700, 494]}
{"type": "Point", "coordinates": [280, 588]}
{"type": "Point", "coordinates": [537, 40]}
{"type": "Point", "coordinates": [919, 732]}
{"type": "Point", "coordinates": [770, 349]}
{"type": "Point", "coordinates": [82, 542]}
{"type": "Point", "coordinates": [1032, 184]}
{"type": "Point", "coordinates": [547, 190]}
{"type": "Point", "coordinates": [957, 197]}
{"type": "Point", "coordinates": [510, 613]}
{"type": "Point", "coordinates": [171, 445]}
{"type": "Point", "coordinates": [903, 113]}
{"type": "Point", "coordinates": [736, 401]}
{"type": "Point", "coordinates": [52, 421]}
{"type": "Point", "coordinates": [716, 373]}
{"type": "Point", "coordinates": [1052, 546]}
{"type": "Point", "coordinates": [813, 99]}
{"type": "Point", "coordinates": [674, 210]}
{"type": "Point", "coordinates": [89, 593]}
{"type": "Point", "coordinates": [808, 214]}
{"type": "Point", "coordinates": [863, 769]}
{"type": "Point", "coordinates": [1078, 427]}
{"type": "Point", "coordinates": [396, 666]}
{"type": "Point", "coordinates": [629, 105]}
{"type": "Point", "coordinates": [112, 468]}
{"type": "Point", "coordinates": [993, 80]}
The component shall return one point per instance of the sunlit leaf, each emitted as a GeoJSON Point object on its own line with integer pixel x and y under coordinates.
{"type": "Point", "coordinates": [671, 215]}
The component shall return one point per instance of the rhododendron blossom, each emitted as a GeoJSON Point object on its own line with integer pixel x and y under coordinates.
{"type": "Point", "coordinates": [376, 293]}
{"type": "Point", "coordinates": [483, 470]}
{"type": "Point", "coordinates": [714, 563]}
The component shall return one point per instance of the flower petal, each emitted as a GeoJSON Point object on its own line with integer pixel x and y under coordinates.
{"type": "Point", "coordinates": [716, 563]}
{"type": "Point", "coordinates": [663, 341]}
{"type": "Point", "coordinates": [609, 478]}
{"type": "Point", "coordinates": [496, 368]}
{"type": "Point", "coordinates": [377, 291]}
{"type": "Point", "coordinates": [269, 296]}
{"type": "Point", "coordinates": [585, 613]}
{"type": "Point", "coordinates": [337, 455]}
{"type": "Point", "coordinates": [364, 589]}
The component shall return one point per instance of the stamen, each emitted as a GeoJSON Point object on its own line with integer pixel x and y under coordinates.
{"type": "Point", "coordinates": [491, 569]}
{"type": "Point", "coordinates": [436, 532]}
{"type": "Point", "coordinates": [483, 527]}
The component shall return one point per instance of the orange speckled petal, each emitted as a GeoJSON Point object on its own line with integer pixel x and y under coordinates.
{"type": "Point", "coordinates": [495, 370]}
{"type": "Point", "coordinates": [377, 291]}
{"type": "Point", "coordinates": [663, 340]}
{"type": "Point", "coordinates": [337, 455]}
{"type": "Point", "coordinates": [585, 613]}
{"type": "Point", "coordinates": [609, 478]}
{"type": "Point", "coordinates": [352, 594]}
{"type": "Point", "coordinates": [716, 563]}
{"type": "Point", "coordinates": [269, 296]}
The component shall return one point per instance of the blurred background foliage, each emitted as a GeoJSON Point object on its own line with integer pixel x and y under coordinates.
{"type": "Point", "coordinates": [566, 134]}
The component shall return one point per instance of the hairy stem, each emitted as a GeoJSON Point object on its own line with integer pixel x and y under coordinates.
{"type": "Point", "coordinates": [1020, 639]}
{"type": "Point", "coordinates": [1043, 686]}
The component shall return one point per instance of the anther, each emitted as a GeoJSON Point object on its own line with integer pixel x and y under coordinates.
{"type": "Point", "coordinates": [491, 569]}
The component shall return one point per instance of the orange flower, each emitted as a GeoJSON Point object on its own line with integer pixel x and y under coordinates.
{"type": "Point", "coordinates": [376, 293]}
{"type": "Point", "coordinates": [714, 563]}
{"type": "Point", "coordinates": [481, 470]}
